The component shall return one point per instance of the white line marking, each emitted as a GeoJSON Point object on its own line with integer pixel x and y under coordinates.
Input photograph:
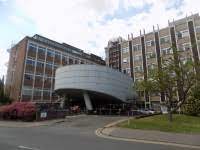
{"type": "Point", "coordinates": [29, 148]}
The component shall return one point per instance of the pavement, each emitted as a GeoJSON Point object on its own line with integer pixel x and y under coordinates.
{"type": "Point", "coordinates": [74, 133]}
{"type": "Point", "coordinates": [21, 124]}
{"type": "Point", "coordinates": [111, 131]}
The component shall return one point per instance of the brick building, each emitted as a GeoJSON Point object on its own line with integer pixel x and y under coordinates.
{"type": "Point", "coordinates": [32, 65]}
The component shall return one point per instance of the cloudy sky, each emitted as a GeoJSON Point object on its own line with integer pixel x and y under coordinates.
{"type": "Point", "coordinates": [87, 24]}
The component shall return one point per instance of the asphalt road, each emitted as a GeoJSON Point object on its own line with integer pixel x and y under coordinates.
{"type": "Point", "coordinates": [74, 134]}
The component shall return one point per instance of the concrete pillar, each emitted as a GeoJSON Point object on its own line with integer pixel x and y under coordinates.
{"type": "Point", "coordinates": [87, 100]}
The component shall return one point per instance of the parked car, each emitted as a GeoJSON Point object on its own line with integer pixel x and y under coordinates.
{"type": "Point", "coordinates": [146, 111]}
{"type": "Point", "coordinates": [18, 110]}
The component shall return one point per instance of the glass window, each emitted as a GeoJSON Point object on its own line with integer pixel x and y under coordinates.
{"type": "Point", "coordinates": [137, 47]}
{"type": "Point", "coordinates": [37, 92]}
{"type": "Point", "coordinates": [41, 49]}
{"type": "Point", "coordinates": [186, 46]}
{"type": "Point", "coordinates": [125, 49]}
{"type": "Point", "coordinates": [182, 34]}
{"type": "Point", "coordinates": [125, 60]}
{"type": "Point", "coordinates": [28, 77]}
{"type": "Point", "coordinates": [30, 62]}
{"type": "Point", "coordinates": [46, 93]}
{"type": "Point", "coordinates": [165, 39]}
{"type": "Point", "coordinates": [166, 51]}
{"type": "Point", "coordinates": [32, 47]}
{"type": "Point", "coordinates": [49, 66]}
{"type": "Point", "coordinates": [138, 58]}
{"type": "Point", "coordinates": [198, 29]}
{"type": "Point", "coordinates": [150, 43]}
{"type": "Point", "coordinates": [40, 64]}
{"type": "Point", "coordinates": [150, 55]}
{"type": "Point", "coordinates": [138, 69]}
{"type": "Point", "coordinates": [57, 55]}
{"type": "Point", "coordinates": [38, 79]}
{"type": "Point", "coordinates": [27, 92]}
{"type": "Point", "coordinates": [50, 53]}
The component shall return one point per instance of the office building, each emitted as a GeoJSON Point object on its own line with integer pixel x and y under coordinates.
{"type": "Point", "coordinates": [137, 55]}
{"type": "Point", "coordinates": [32, 65]}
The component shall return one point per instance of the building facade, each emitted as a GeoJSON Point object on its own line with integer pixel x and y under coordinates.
{"type": "Point", "coordinates": [32, 65]}
{"type": "Point", "coordinates": [113, 54]}
{"type": "Point", "coordinates": [142, 53]}
{"type": "Point", "coordinates": [97, 85]}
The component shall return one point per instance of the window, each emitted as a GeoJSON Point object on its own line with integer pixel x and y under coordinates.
{"type": "Point", "coordinates": [186, 46]}
{"type": "Point", "coordinates": [124, 71]}
{"type": "Point", "coordinates": [138, 58]}
{"type": "Point", "coordinates": [37, 92]}
{"type": "Point", "coordinates": [50, 53]}
{"type": "Point", "coordinates": [198, 29]}
{"type": "Point", "coordinates": [41, 50]}
{"type": "Point", "coordinates": [32, 47]}
{"type": "Point", "coordinates": [125, 49]}
{"type": "Point", "coordinates": [138, 69]}
{"type": "Point", "coordinates": [49, 66]}
{"type": "Point", "coordinates": [166, 51]}
{"type": "Point", "coordinates": [150, 43]}
{"type": "Point", "coordinates": [27, 92]}
{"type": "Point", "coordinates": [165, 39]}
{"type": "Point", "coordinates": [28, 77]}
{"type": "Point", "coordinates": [128, 70]}
{"type": "Point", "coordinates": [137, 47]}
{"type": "Point", "coordinates": [30, 62]}
{"type": "Point", "coordinates": [182, 34]}
{"type": "Point", "coordinates": [57, 55]}
{"type": "Point", "coordinates": [150, 55]}
{"type": "Point", "coordinates": [40, 64]}
{"type": "Point", "coordinates": [46, 93]}
{"type": "Point", "coordinates": [125, 60]}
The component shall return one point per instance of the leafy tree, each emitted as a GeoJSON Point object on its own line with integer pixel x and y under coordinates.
{"type": "Point", "coordinates": [173, 78]}
{"type": "Point", "coordinates": [4, 99]}
{"type": "Point", "coordinates": [192, 106]}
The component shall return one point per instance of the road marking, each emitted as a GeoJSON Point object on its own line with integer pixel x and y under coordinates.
{"type": "Point", "coordinates": [99, 133]}
{"type": "Point", "coordinates": [29, 148]}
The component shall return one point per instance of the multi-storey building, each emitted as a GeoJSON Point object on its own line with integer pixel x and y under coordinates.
{"type": "Point", "coordinates": [113, 55]}
{"type": "Point", "coordinates": [32, 65]}
{"type": "Point", "coordinates": [140, 54]}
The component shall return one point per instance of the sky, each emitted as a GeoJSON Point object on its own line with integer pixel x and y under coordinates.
{"type": "Point", "coordinates": [86, 24]}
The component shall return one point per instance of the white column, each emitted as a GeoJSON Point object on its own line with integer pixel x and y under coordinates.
{"type": "Point", "coordinates": [87, 100]}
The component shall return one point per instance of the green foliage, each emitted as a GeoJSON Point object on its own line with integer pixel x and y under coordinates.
{"type": "Point", "coordinates": [181, 124]}
{"type": "Point", "coordinates": [4, 99]}
{"type": "Point", "coordinates": [192, 106]}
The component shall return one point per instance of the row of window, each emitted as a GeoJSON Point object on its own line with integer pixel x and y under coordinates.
{"type": "Point", "coordinates": [164, 39]}
{"type": "Point", "coordinates": [32, 63]}
{"type": "Point", "coordinates": [36, 92]}
{"type": "Point", "coordinates": [42, 51]}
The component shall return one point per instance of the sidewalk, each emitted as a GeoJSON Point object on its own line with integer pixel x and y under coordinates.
{"type": "Point", "coordinates": [21, 124]}
{"type": "Point", "coordinates": [156, 136]}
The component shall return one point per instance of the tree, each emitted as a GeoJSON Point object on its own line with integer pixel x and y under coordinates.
{"type": "Point", "coordinates": [4, 99]}
{"type": "Point", "coordinates": [192, 106]}
{"type": "Point", "coordinates": [174, 78]}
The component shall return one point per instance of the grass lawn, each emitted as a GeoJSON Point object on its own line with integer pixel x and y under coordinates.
{"type": "Point", "coordinates": [180, 124]}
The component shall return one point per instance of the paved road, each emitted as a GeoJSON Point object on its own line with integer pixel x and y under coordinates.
{"type": "Point", "coordinates": [74, 134]}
